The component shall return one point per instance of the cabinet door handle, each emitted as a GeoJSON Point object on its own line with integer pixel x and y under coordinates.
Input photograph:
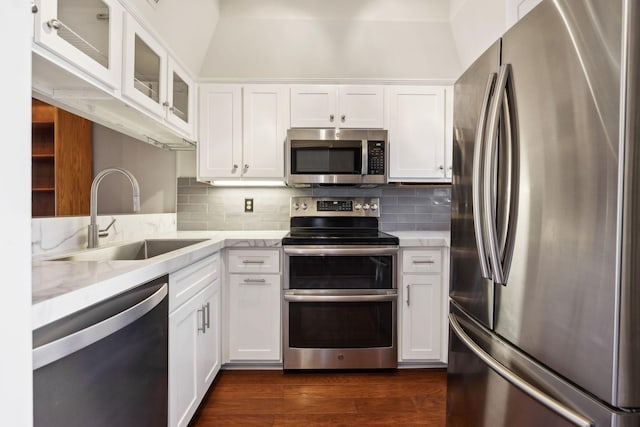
{"type": "Point", "coordinates": [343, 118]}
{"type": "Point", "coordinates": [428, 261]}
{"type": "Point", "coordinates": [246, 167]}
{"type": "Point", "coordinates": [255, 281]}
{"type": "Point", "coordinates": [34, 7]}
{"type": "Point", "coordinates": [408, 295]}
{"type": "Point", "coordinates": [252, 261]}
{"type": "Point", "coordinates": [207, 324]}
{"type": "Point", "coordinates": [235, 167]}
{"type": "Point", "coordinates": [201, 313]}
{"type": "Point", "coordinates": [331, 117]}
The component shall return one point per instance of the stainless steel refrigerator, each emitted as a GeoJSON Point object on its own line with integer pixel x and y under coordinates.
{"type": "Point", "coordinates": [545, 244]}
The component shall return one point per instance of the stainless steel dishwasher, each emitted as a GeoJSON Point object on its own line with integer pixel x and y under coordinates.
{"type": "Point", "coordinates": [106, 365]}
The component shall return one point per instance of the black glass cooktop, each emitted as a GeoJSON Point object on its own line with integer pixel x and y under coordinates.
{"type": "Point", "coordinates": [337, 231]}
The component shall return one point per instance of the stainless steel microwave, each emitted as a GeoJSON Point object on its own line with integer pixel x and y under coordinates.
{"type": "Point", "coordinates": [337, 156]}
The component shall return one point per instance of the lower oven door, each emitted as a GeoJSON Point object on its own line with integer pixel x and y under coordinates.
{"type": "Point", "coordinates": [340, 329]}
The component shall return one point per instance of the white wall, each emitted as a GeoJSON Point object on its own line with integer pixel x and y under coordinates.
{"type": "Point", "coordinates": [476, 25]}
{"type": "Point", "coordinates": [15, 215]}
{"type": "Point", "coordinates": [185, 27]}
{"type": "Point", "coordinates": [154, 168]}
{"type": "Point", "coordinates": [307, 39]}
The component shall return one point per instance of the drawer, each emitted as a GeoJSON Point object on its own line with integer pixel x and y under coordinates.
{"type": "Point", "coordinates": [185, 283]}
{"type": "Point", "coordinates": [422, 261]}
{"type": "Point", "coordinates": [254, 261]}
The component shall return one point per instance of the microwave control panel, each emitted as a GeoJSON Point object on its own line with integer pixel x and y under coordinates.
{"type": "Point", "coordinates": [376, 156]}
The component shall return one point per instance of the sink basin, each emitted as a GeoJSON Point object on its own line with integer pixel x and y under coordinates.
{"type": "Point", "coordinates": [143, 249]}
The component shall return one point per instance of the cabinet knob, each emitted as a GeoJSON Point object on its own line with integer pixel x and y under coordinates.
{"type": "Point", "coordinates": [343, 118]}
{"type": "Point", "coordinates": [34, 7]}
{"type": "Point", "coordinates": [54, 24]}
{"type": "Point", "coordinates": [441, 167]}
{"type": "Point", "coordinates": [235, 168]}
{"type": "Point", "coordinates": [246, 167]}
{"type": "Point", "coordinates": [331, 117]}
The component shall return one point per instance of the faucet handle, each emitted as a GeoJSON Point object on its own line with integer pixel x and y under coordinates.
{"type": "Point", "coordinates": [105, 232]}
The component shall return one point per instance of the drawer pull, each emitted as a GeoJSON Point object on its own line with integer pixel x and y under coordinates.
{"type": "Point", "coordinates": [430, 261]}
{"type": "Point", "coordinates": [255, 281]}
{"type": "Point", "coordinates": [252, 261]}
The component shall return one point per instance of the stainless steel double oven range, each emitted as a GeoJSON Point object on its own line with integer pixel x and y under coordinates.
{"type": "Point", "coordinates": [340, 290]}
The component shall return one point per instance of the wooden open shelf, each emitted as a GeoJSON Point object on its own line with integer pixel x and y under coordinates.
{"type": "Point", "coordinates": [61, 161]}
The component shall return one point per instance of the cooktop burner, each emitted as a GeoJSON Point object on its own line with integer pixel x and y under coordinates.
{"type": "Point", "coordinates": [336, 221]}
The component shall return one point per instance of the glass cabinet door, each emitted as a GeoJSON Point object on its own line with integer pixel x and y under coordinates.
{"type": "Point", "coordinates": [145, 67]}
{"type": "Point", "coordinates": [181, 95]}
{"type": "Point", "coordinates": [86, 33]}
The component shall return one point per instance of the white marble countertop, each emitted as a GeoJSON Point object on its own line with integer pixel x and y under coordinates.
{"type": "Point", "coordinates": [60, 288]}
{"type": "Point", "coordinates": [423, 238]}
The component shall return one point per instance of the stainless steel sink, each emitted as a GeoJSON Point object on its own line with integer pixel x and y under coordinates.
{"type": "Point", "coordinates": [143, 249]}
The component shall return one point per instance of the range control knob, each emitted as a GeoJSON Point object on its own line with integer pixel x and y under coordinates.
{"type": "Point", "coordinates": [296, 206]}
{"type": "Point", "coordinates": [304, 206]}
{"type": "Point", "coordinates": [358, 206]}
{"type": "Point", "coordinates": [374, 207]}
{"type": "Point", "coordinates": [366, 206]}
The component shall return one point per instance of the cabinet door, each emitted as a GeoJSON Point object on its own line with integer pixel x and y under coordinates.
{"type": "Point", "coordinates": [180, 98]}
{"type": "Point", "coordinates": [209, 354]}
{"type": "Point", "coordinates": [417, 131]}
{"type": "Point", "coordinates": [220, 144]}
{"type": "Point", "coordinates": [265, 123]}
{"type": "Point", "coordinates": [145, 68]}
{"type": "Point", "coordinates": [360, 107]}
{"type": "Point", "coordinates": [421, 317]}
{"type": "Point", "coordinates": [313, 106]}
{"type": "Point", "coordinates": [88, 34]}
{"type": "Point", "coordinates": [254, 317]}
{"type": "Point", "coordinates": [184, 325]}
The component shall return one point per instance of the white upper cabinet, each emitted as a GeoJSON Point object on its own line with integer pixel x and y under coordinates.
{"type": "Point", "coordinates": [87, 34]}
{"type": "Point", "coordinates": [155, 81]}
{"type": "Point", "coordinates": [265, 121]}
{"type": "Point", "coordinates": [516, 9]}
{"type": "Point", "coordinates": [180, 98]}
{"type": "Point", "coordinates": [242, 131]}
{"type": "Point", "coordinates": [420, 135]}
{"type": "Point", "coordinates": [145, 68]}
{"type": "Point", "coordinates": [327, 106]}
{"type": "Point", "coordinates": [220, 140]}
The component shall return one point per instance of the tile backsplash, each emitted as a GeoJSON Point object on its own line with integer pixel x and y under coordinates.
{"type": "Point", "coordinates": [203, 207]}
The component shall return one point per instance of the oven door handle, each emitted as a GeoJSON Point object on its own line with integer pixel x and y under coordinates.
{"type": "Point", "coordinates": [340, 298]}
{"type": "Point", "coordinates": [331, 250]}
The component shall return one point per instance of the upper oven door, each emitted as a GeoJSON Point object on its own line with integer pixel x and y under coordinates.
{"type": "Point", "coordinates": [336, 267]}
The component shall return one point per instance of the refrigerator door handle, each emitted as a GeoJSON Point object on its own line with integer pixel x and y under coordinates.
{"type": "Point", "coordinates": [543, 398]}
{"type": "Point", "coordinates": [477, 188]}
{"type": "Point", "coordinates": [489, 172]}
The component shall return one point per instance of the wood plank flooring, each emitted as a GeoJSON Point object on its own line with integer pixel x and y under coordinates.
{"type": "Point", "coordinates": [406, 397]}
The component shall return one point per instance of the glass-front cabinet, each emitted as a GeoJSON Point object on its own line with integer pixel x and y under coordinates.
{"type": "Point", "coordinates": [181, 98]}
{"type": "Point", "coordinates": [86, 33]}
{"type": "Point", "coordinates": [154, 80]}
{"type": "Point", "coordinates": [145, 68]}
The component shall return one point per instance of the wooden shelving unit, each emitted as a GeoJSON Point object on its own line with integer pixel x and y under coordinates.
{"type": "Point", "coordinates": [61, 161]}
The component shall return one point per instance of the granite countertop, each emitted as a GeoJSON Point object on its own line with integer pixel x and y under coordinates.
{"type": "Point", "coordinates": [60, 288]}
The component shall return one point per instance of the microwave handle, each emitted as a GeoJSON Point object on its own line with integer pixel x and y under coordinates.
{"type": "Point", "coordinates": [365, 157]}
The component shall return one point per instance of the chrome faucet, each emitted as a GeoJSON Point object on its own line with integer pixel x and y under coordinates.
{"type": "Point", "coordinates": [92, 238]}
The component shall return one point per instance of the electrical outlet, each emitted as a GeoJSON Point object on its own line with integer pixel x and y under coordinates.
{"type": "Point", "coordinates": [248, 205]}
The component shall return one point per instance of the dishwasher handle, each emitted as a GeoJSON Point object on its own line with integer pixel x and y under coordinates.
{"type": "Point", "coordinates": [62, 347]}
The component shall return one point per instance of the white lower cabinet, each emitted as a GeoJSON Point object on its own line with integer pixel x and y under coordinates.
{"type": "Point", "coordinates": [254, 289]}
{"type": "Point", "coordinates": [194, 337]}
{"type": "Point", "coordinates": [423, 285]}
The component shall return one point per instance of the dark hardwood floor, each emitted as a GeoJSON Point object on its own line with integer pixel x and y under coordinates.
{"type": "Point", "coordinates": [406, 397]}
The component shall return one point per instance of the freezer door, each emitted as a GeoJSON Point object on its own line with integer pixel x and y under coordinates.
{"type": "Point", "coordinates": [469, 263]}
{"type": "Point", "coordinates": [490, 384]}
{"type": "Point", "coordinates": [559, 301]}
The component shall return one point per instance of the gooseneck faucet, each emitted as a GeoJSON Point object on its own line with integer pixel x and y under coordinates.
{"type": "Point", "coordinates": [92, 238]}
